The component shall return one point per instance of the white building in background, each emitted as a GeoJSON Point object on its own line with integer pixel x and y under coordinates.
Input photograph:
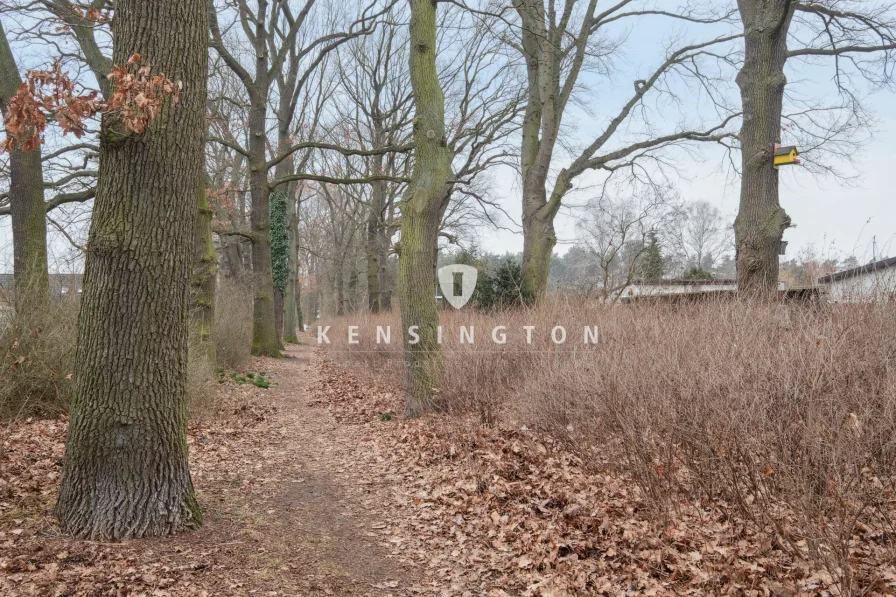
{"type": "Point", "coordinates": [676, 287]}
{"type": "Point", "coordinates": [873, 282]}
{"type": "Point", "coordinates": [666, 287]}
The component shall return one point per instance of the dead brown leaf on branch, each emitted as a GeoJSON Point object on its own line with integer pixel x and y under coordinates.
{"type": "Point", "coordinates": [51, 95]}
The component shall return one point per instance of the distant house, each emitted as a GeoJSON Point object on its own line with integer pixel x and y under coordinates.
{"type": "Point", "coordinates": [674, 287]}
{"type": "Point", "coordinates": [875, 281]}
{"type": "Point", "coordinates": [639, 288]}
{"type": "Point", "coordinates": [688, 291]}
{"type": "Point", "coordinates": [66, 284]}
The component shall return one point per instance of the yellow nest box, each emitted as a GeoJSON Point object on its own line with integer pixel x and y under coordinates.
{"type": "Point", "coordinates": [786, 155]}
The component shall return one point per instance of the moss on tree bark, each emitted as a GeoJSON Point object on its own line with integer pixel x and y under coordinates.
{"type": "Point", "coordinates": [422, 209]}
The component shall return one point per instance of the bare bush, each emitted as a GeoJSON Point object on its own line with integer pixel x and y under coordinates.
{"type": "Point", "coordinates": [233, 322]}
{"type": "Point", "coordinates": [202, 385]}
{"type": "Point", "coordinates": [780, 418]}
{"type": "Point", "coordinates": [38, 348]}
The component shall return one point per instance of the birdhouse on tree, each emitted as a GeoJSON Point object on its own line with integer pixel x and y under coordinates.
{"type": "Point", "coordinates": [786, 155]}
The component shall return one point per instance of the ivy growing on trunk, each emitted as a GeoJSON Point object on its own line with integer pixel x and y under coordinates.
{"type": "Point", "coordinates": [279, 241]}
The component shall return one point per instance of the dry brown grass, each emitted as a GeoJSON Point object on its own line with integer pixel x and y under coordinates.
{"type": "Point", "coordinates": [38, 350]}
{"type": "Point", "coordinates": [202, 384]}
{"type": "Point", "coordinates": [233, 322]}
{"type": "Point", "coordinates": [780, 418]}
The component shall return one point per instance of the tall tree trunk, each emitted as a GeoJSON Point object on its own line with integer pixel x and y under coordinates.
{"type": "Point", "coordinates": [291, 319]}
{"type": "Point", "coordinates": [421, 213]}
{"type": "Point", "coordinates": [279, 254]}
{"type": "Point", "coordinates": [339, 287]}
{"type": "Point", "coordinates": [265, 334]}
{"type": "Point", "coordinates": [26, 203]}
{"type": "Point", "coordinates": [300, 313]}
{"type": "Point", "coordinates": [761, 221]}
{"type": "Point", "coordinates": [373, 242]}
{"type": "Point", "coordinates": [383, 261]}
{"type": "Point", "coordinates": [282, 205]}
{"type": "Point", "coordinates": [205, 273]}
{"type": "Point", "coordinates": [539, 136]}
{"type": "Point", "coordinates": [125, 472]}
{"type": "Point", "coordinates": [265, 339]}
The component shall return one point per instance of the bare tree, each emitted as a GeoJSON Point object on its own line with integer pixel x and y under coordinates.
{"type": "Point", "coordinates": [699, 235]}
{"type": "Point", "coordinates": [860, 39]}
{"type": "Point", "coordinates": [616, 232]}
{"type": "Point", "coordinates": [373, 74]}
{"type": "Point", "coordinates": [558, 45]}
{"type": "Point", "coordinates": [272, 31]}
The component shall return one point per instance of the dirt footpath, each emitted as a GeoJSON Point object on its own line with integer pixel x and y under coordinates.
{"type": "Point", "coordinates": [290, 508]}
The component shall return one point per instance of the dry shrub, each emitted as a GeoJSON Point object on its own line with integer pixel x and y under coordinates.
{"type": "Point", "coordinates": [38, 357]}
{"type": "Point", "coordinates": [779, 417]}
{"type": "Point", "coordinates": [202, 384]}
{"type": "Point", "coordinates": [38, 350]}
{"type": "Point", "coordinates": [479, 378]}
{"type": "Point", "coordinates": [233, 322]}
{"type": "Point", "coordinates": [782, 417]}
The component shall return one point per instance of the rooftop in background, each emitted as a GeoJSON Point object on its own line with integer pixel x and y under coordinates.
{"type": "Point", "coordinates": [857, 271]}
{"type": "Point", "coordinates": [682, 282]}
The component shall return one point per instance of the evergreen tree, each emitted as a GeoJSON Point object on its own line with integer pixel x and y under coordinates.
{"type": "Point", "coordinates": [652, 267]}
{"type": "Point", "coordinates": [697, 273]}
{"type": "Point", "coordinates": [508, 285]}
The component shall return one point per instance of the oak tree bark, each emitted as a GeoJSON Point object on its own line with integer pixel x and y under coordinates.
{"type": "Point", "coordinates": [422, 209]}
{"type": "Point", "coordinates": [761, 221]}
{"type": "Point", "coordinates": [126, 470]}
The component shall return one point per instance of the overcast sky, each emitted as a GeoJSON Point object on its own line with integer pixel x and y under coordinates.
{"type": "Point", "coordinates": [836, 218]}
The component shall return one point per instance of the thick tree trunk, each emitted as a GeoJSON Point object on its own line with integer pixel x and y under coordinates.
{"type": "Point", "coordinates": [26, 203]}
{"type": "Point", "coordinates": [205, 273]}
{"type": "Point", "coordinates": [761, 221]}
{"type": "Point", "coordinates": [421, 214]}
{"type": "Point", "coordinates": [125, 472]}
